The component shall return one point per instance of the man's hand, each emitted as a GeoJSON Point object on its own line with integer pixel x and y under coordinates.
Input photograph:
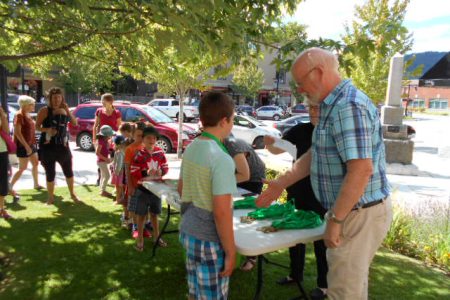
{"type": "Point", "coordinates": [272, 193]}
{"type": "Point", "coordinates": [230, 262]}
{"type": "Point", "coordinates": [332, 237]}
{"type": "Point", "coordinates": [268, 140]}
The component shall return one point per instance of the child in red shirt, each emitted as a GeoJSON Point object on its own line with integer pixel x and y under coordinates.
{"type": "Point", "coordinates": [149, 163]}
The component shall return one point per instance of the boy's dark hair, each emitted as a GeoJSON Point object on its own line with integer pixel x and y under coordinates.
{"type": "Point", "coordinates": [140, 126]}
{"type": "Point", "coordinates": [126, 127]}
{"type": "Point", "coordinates": [150, 130]}
{"type": "Point", "coordinates": [214, 106]}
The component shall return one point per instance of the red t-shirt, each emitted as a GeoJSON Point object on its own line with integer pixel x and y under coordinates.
{"type": "Point", "coordinates": [110, 120]}
{"type": "Point", "coordinates": [143, 158]}
{"type": "Point", "coordinates": [28, 129]}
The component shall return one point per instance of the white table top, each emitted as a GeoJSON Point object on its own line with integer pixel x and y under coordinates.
{"type": "Point", "coordinates": [249, 241]}
{"type": "Point", "coordinates": [252, 242]}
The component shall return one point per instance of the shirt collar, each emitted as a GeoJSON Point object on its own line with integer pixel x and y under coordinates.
{"type": "Point", "coordinates": [337, 90]}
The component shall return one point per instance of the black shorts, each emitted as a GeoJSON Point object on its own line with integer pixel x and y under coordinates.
{"type": "Point", "coordinates": [146, 201]}
{"type": "Point", "coordinates": [4, 165]}
{"type": "Point", "coordinates": [22, 152]}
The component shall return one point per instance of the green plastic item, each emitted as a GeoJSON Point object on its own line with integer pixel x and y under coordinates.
{"type": "Point", "coordinates": [246, 203]}
{"type": "Point", "coordinates": [272, 212]}
{"type": "Point", "coordinates": [299, 219]}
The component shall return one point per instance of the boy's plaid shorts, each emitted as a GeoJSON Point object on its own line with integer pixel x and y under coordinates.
{"type": "Point", "coordinates": [204, 261]}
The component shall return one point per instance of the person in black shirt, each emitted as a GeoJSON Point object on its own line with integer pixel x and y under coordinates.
{"type": "Point", "coordinates": [301, 135]}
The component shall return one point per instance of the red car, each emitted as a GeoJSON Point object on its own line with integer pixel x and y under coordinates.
{"type": "Point", "coordinates": [167, 128]}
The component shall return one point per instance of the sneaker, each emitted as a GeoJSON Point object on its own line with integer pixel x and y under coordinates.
{"type": "Point", "coordinates": [135, 234]}
{"type": "Point", "coordinates": [147, 234]}
{"type": "Point", "coordinates": [149, 226]}
{"type": "Point", "coordinates": [4, 214]}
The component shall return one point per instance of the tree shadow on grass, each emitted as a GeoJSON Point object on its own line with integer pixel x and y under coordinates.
{"type": "Point", "coordinates": [82, 253]}
{"type": "Point", "coordinates": [71, 251]}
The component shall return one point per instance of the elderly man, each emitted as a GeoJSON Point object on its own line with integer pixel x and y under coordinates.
{"type": "Point", "coordinates": [346, 163]}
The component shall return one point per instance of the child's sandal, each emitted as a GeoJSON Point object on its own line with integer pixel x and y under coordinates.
{"type": "Point", "coordinates": [162, 244]}
{"type": "Point", "coordinates": [139, 248]}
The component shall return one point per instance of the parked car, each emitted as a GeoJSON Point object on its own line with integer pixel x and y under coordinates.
{"type": "Point", "coordinates": [269, 112]}
{"type": "Point", "coordinates": [171, 107]}
{"type": "Point", "coordinates": [298, 109]}
{"type": "Point", "coordinates": [246, 109]}
{"type": "Point", "coordinates": [286, 124]}
{"type": "Point", "coordinates": [252, 131]}
{"type": "Point", "coordinates": [167, 128]}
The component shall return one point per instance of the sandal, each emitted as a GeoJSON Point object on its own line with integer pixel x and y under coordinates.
{"type": "Point", "coordinates": [139, 248]}
{"type": "Point", "coordinates": [248, 264]}
{"type": "Point", "coordinates": [4, 214]}
{"type": "Point", "coordinates": [39, 187]}
{"type": "Point", "coordinates": [162, 244]}
{"type": "Point", "coordinates": [75, 198]}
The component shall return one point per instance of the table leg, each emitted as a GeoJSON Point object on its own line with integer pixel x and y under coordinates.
{"type": "Point", "coordinates": [161, 231]}
{"type": "Point", "coordinates": [259, 282]}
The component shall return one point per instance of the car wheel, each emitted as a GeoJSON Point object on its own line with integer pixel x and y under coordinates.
{"type": "Point", "coordinates": [85, 141]}
{"type": "Point", "coordinates": [164, 144]}
{"type": "Point", "coordinates": [258, 143]}
{"type": "Point", "coordinates": [276, 117]}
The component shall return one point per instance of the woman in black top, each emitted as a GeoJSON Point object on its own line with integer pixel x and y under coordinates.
{"type": "Point", "coordinates": [301, 136]}
{"type": "Point", "coordinates": [54, 141]}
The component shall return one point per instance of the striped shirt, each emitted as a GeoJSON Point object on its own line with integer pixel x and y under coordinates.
{"type": "Point", "coordinates": [349, 128]}
{"type": "Point", "coordinates": [206, 171]}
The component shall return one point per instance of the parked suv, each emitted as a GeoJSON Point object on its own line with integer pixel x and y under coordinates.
{"type": "Point", "coordinates": [270, 112]}
{"type": "Point", "coordinates": [167, 128]}
{"type": "Point", "coordinates": [171, 107]}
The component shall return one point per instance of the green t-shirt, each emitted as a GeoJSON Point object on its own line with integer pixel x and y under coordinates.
{"type": "Point", "coordinates": [206, 171]}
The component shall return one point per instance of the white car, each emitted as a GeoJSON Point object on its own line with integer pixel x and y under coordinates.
{"type": "Point", "coordinates": [252, 131]}
{"type": "Point", "coordinates": [171, 107]}
{"type": "Point", "coordinates": [270, 112]}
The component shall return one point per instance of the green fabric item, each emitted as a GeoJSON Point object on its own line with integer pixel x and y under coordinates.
{"type": "Point", "coordinates": [299, 219]}
{"type": "Point", "coordinates": [246, 203]}
{"type": "Point", "coordinates": [272, 212]}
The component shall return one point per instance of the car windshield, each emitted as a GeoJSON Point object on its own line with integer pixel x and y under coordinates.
{"type": "Point", "coordinates": [157, 116]}
{"type": "Point", "coordinates": [254, 121]}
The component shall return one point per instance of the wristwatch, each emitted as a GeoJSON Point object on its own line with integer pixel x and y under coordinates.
{"type": "Point", "coordinates": [330, 216]}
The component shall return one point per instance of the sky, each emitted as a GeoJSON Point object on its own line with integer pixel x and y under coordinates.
{"type": "Point", "coordinates": [428, 20]}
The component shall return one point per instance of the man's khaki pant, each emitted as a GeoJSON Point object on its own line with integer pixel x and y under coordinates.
{"type": "Point", "coordinates": [348, 265]}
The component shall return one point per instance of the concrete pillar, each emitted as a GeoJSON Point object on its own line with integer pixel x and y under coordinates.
{"type": "Point", "coordinates": [399, 148]}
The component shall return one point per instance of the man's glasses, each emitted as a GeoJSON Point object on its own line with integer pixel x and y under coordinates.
{"type": "Point", "coordinates": [299, 84]}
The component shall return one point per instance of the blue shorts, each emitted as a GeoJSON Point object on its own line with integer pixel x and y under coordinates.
{"type": "Point", "coordinates": [204, 261]}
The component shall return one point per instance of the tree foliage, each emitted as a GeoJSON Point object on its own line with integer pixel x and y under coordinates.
{"type": "Point", "coordinates": [248, 78]}
{"type": "Point", "coordinates": [372, 39]}
{"type": "Point", "coordinates": [100, 28]}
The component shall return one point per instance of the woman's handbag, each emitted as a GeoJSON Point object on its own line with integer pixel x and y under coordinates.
{"type": "Point", "coordinates": [10, 145]}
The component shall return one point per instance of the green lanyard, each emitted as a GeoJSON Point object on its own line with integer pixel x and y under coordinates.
{"type": "Point", "coordinates": [213, 137]}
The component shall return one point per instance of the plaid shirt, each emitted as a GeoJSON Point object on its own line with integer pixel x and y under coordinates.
{"type": "Point", "coordinates": [349, 128]}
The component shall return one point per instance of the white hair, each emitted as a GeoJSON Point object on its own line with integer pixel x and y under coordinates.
{"type": "Point", "coordinates": [24, 100]}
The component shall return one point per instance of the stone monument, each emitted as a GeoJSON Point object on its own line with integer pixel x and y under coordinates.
{"type": "Point", "coordinates": [399, 148]}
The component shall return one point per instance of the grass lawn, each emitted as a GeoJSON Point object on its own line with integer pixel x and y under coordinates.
{"type": "Point", "coordinates": [70, 251]}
